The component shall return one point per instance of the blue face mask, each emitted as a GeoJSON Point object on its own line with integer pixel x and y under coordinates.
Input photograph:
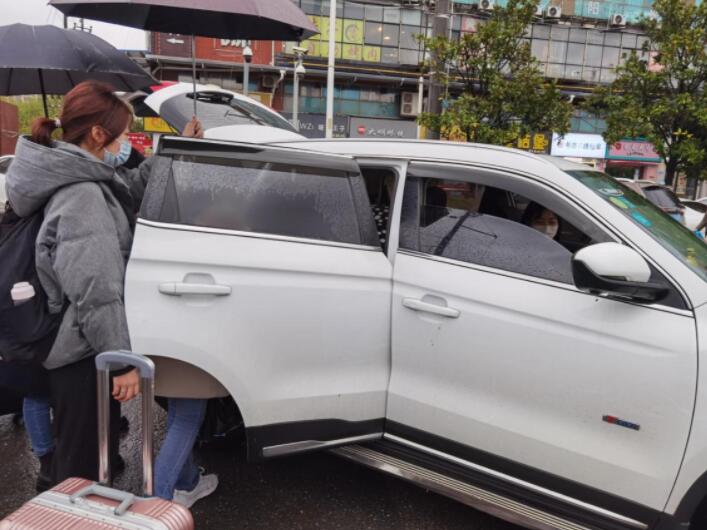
{"type": "Point", "coordinates": [119, 159]}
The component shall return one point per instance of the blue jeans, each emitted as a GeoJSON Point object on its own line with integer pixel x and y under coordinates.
{"type": "Point", "coordinates": [175, 467]}
{"type": "Point", "coordinates": [38, 423]}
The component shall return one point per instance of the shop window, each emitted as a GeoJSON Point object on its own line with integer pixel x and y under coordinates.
{"type": "Point", "coordinates": [411, 17]}
{"type": "Point", "coordinates": [573, 72]}
{"type": "Point", "coordinates": [595, 37]}
{"type": "Point", "coordinates": [590, 74]}
{"type": "Point", "coordinates": [391, 35]}
{"type": "Point", "coordinates": [559, 33]}
{"type": "Point", "coordinates": [592, 56]}
{"type": "Point", "coordinates": [408, 37]}
{"type": "Point", "coordinates": [539, 49]}
{"type": "Point", "coordinates": [409, 57]}
{"type": "Point", "coordinates": [374, 33]}
{"type": "Point", "coordinates": [610, 58]}
{"type": "Point", "coordinates": [391, 14]}
{"type": "Point", "coordinates": [390, 55]}
{"type": "Point", "coordinates": [354, 11]}
{"type": "Point", "coordinates": [555, 70]}
{"type": "Point", "coordinates": [339, 8]}
{"type": "Point", "coordinates": [312, 7]}
{"type": "Point", "coordinates": [578, 35]}
{"type": "Point", "coordinates": [541, 31]}
{"type": "Point", "coordinates": [612, 39]}
{"type": "Point", "coordinates": [374, 13]}
{"type": "Point", "coordinates": [575, 53]}
{"type": "Point", "coordinates": [558, 50]}
{"type": "Point", "coordinates": [608, 75]}
{"type": "Point", "coordinates": [628, 40]}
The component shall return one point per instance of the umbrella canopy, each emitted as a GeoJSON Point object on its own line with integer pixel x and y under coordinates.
{"type": "Point", "coordinates": [50, 60]}
{"type": "Point", "coordinates": [243, 19]}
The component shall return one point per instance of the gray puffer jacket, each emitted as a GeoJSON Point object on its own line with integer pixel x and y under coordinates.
{"type": "Point", "coordinates": [83, 244]}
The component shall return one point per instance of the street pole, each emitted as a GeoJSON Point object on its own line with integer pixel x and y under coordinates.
{"type": "Point", "coordinates": [247, 58]}
{"type": "Point", "coordinates": [420, 97]}
{"type": "Point", "coordinates": [440, 27]}
{"type": "Point", "coordinates": [330, 71]}
{"type": "Point", "coordinates": [295, 95]}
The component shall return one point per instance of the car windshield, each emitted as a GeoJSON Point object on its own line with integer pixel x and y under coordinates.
{"type": "Point", "coordinates": [216, 109]}
{"type": "Point", "coordinates": [677, 239]}
{"type": "Point", "coordinates": [661, 197]}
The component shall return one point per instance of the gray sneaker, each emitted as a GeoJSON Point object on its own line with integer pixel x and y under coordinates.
{"type": "Point", "coordinates": [206, 486]}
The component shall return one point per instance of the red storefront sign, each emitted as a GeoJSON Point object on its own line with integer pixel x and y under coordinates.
{"type": "Point", "coordinates": [633, 150]}
{"type": "Point", "coordinates": [232, 50]}
{"type": "Point", "coordinates": [141, 142]}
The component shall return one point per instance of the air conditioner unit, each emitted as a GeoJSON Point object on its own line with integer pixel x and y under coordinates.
{"type": "Point", "coordinates": [486, 5]}
{"type": "Point", "coordinates": [268, 81]}
{"type": "Point", "coordinates": [553, 12]}
{"type": "Point", "coordinates": [617, 20]}
{"type": "Point", "coordinates": [408, 104]}
{"type": "Point", "coordinates": [539, 11]}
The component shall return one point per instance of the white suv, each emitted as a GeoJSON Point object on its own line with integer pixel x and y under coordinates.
{"type": "Point", "coordinates": [393, 302]}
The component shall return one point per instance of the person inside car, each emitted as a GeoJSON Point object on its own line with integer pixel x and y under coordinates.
{"type": "Point", "coordinates": [541, 219]}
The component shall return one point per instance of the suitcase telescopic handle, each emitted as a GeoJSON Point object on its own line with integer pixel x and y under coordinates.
{"type": "Point", "coordinates": [112, 360]}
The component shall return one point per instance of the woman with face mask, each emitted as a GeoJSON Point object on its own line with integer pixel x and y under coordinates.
{"type": "Point", "coordinates": [541, 219]}
{"type": "Point", "coordinates": [82, 248]}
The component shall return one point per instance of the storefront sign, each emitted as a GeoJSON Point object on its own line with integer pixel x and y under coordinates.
{"type": "Point", "coordinates": [633, 150]}
{"type": "Point", "coordinates": [157, 125]}
{"type": "Point", "coordinates": [232, 50]}
{"type": "Point", "coordinates": [382, 128]}
{"type": "Point", "coordinates": [538, 143]}
{"type": "Point", "coordinates": [141, 142]}
{"type": "Point", "coordinates": [314, 125]}
{"type": "Point", "coordinates": [578, 145]}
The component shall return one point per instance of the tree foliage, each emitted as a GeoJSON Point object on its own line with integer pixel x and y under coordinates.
{"type": "Point", "coordinates": [659, 94]}
{"type": "Point", "coordinates": [30, 107]}
{"type": "Point", "coordinates": [504, 95]}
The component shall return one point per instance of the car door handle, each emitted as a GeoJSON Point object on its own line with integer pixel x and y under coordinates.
{"type": "Point", "coordinates": [419, 305]}
{"type": "Point", "coordinates": [180, 289]}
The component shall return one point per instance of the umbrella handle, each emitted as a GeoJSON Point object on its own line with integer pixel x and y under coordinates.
{"type": "Point", "coordinates": [193, 69]}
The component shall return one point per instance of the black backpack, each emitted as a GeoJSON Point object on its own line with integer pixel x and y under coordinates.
{"type": "Point", "coordinates": [27, 331]}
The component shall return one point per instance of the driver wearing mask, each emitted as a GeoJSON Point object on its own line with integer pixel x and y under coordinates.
{"type": "Point", "coordinates": [542, 220]}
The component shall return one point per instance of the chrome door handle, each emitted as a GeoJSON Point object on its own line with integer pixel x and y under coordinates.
{"type": "Point", "coordinates": [419, 305]}
{"type": "Point", "coordinates": [180, 289]}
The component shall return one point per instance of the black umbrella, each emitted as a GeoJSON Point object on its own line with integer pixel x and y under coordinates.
{"type": "Point", "coordinates": [235, 19]}
{"type": "Point", "coordinates": [50, 60]}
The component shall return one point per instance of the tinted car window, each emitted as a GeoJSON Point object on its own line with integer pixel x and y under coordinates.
{"type": "Point", "coordinates": [661, 197]}
{"type": "Point", "coordinates": [484, 225]}
{"type": "Point", "coordinates": [268, 198]}
{"type": "Point", "coordinates": [216, 109]}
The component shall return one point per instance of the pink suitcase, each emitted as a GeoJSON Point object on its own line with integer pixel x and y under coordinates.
{"type": "Point", "coordinates": [79, 504]}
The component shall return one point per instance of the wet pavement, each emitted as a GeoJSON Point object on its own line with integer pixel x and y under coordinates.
{"type": "Point", "coordinates": [302, 492]}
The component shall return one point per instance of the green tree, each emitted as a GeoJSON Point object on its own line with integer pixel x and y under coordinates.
{"type": "Point", "coordinates": [30, 107]}
{"type": "Point", "coordinates": [503, 93]}
{"type": "Point", "coordinates": [659, 94]}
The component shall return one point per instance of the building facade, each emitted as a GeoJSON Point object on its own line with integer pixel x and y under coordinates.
{"type": "Point", "coordinates": [578, 43]}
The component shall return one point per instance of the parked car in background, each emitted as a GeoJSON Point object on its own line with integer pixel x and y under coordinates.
{"type": "Point", "coordinates": [662, 196]}
{"type": "Point", "coordinates": [224, 114]}
{"type": "Point", "coordinates": [4, 165]}
{"type": "Point", "coordinates": [694, 212]}
{"type": "Point", "coordinates": [391, 300]}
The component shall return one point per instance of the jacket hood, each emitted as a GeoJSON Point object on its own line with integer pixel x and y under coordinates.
{"type": "Point", "coordinates": [38, 171]}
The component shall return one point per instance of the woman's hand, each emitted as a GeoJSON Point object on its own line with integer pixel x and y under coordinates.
{"type": "Point", "coordinates": [126, 386]}
{"type": "Point", "coordinates": [193, 129]}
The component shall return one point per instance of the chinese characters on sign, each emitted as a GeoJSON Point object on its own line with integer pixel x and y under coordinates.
{"type": "Point", "coordinates": [538, 143]}
{"type": "Point", "coordinates": [578, 145]}
{"type": "Point", "coordinates": [633, 150]}
{"type": "Point", "coordinates": [380, 128]}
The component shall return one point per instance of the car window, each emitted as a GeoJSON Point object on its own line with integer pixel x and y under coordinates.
{"type": "Point", "coordinates": [490, 225]}
{"type": "Point", "coordinates": [5, 165]}
{"type": "Point", "coordinates": [672, 235]}
{"type": "Point", "coordinates": [268, 198]}
{"type": "Point", "coordinates": [661, 197]}
{"type": "Point", "coordinates": [216, 109]}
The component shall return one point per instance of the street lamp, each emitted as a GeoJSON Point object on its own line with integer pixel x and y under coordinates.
{"type": "Point", "coordinates": [247, 58]}
{"type": "Point", "coordinates": [299, 71]}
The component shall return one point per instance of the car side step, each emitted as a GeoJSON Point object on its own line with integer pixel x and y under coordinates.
{"type": "Point", "coordinates": [483, 500]}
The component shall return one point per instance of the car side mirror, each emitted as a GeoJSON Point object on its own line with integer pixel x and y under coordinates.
{"type": "Point", "coordinates": [615, 270]}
